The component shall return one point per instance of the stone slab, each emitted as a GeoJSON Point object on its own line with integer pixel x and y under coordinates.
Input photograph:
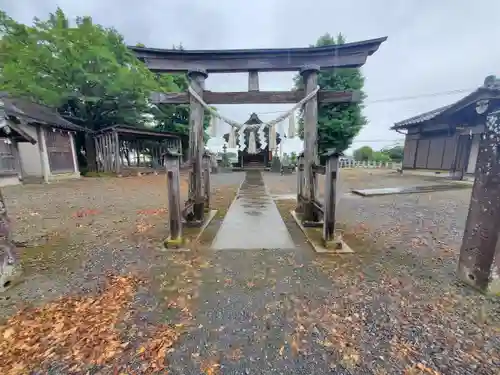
{"type": "Point", "coordinates": [253, 220]}
{"type": "Point", "coordinates": [408, 189]}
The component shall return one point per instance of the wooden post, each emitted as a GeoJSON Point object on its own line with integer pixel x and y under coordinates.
{"type": "Point", "coordinates": [174, 239]}
{"type": "Point", "coordinates": [136, 149]}
{"type": "Point", "coordinates": [117, 152]}
{"type": "Point", "coordinates": [479, 262]}
{"type": "Point", "coordinates": [17, 160]}
{"type": "Point", "coordinates": [206, 179]}
{"type": "Point", "coordinates": [196, 147]}
{"type": "Point", "coordinates": [300, 184]}
{"type": "Point", "coordinates": [253, 80]}
{"type": "Point", "coordinates": [108, 150]}
{"type": "Point", "coordinates": [309, 75]}
{"type": "Point", "coordinates": [179, 148]}
{"type": "Point", "coordinates": [109, 153]}
{"type": "Point", "coordinates": [9, 265]}
{"type": "Point", "coordinates": [97, 152]}
{"type": "Point", "coordinates": [330, 196]}
{"type": "Point", "coordinates": [102, 146]}
{"type": "Point", "coordinates": [74, 153]}
{"type": "Point", "coordinates": [44, 156]}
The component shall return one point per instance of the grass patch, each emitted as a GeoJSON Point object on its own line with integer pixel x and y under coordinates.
{"type": "Point", "coordinates": [97, 174]}
{"type": "Point", "coordinates": [56, 253]}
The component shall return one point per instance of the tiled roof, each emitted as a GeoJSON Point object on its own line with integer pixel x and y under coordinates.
{"type": "Point", "coordinates": [421, 118]}
{"type": "Point", "coordinates": [37, 113]}
{"type": "Point", "coordinates": [490, 88]}
{"type": "Point", "coordinates": [253, 120]}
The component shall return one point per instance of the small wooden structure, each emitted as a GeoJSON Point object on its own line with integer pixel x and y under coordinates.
{"type": "Point", "coordinates": [446, 138]}
{"type": "Point", "coordinates": [264, 156]}
{"type": "Point", "coordinates": [309, 61]}
{"type": "Point", "coordinates": [38, 144]}
{"type": "Point", "coordinates": [126, 150]}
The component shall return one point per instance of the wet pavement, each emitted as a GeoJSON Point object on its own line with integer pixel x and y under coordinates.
{"type": "Point", "coordinates": [253, 221]}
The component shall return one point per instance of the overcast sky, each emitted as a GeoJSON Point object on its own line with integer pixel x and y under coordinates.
{"type": "Point", "coordinates": [432, 47]}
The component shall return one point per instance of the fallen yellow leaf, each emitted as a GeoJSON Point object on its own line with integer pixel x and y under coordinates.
{"type": "Point", "coordinates": [8, 333]}
{"type": "Point", "coordinates": [141, 350]}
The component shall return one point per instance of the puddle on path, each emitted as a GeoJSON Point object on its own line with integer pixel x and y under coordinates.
{"type": "Point", "coordinates": [253, 220]}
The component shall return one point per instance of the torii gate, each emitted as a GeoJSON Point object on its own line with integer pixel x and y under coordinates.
{"type": "Point", "coordinates": [308, 61]}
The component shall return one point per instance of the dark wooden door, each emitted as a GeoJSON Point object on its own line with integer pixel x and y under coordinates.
{"type": "Point", "coordinates": [59, 152]}
{"type": "Point", "coordinates": [459, 165]}
{"type": "Point", "coordinates": [7, 158]}
{"type": "Point", "coordinates": [422, 153]}
{"type": "Point", "coordinates": [410, 151]}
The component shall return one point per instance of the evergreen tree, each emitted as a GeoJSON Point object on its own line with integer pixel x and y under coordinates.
{"type": "Point", "coordinates": [338, 123]}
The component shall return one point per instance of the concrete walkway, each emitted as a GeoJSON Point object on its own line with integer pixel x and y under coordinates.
{"type": "Point", "coordinates": [253, 221]}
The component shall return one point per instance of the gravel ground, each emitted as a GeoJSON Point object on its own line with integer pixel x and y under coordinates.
{"type": "Point", "coordinates": [76, 236]}
{"type": "Point", "coordinates": [397, 299]}
{"type": "Point", "coordinates": [393, 307]}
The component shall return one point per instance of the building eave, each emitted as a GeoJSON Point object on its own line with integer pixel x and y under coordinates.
{"type": "Point", "coordinates": [482, 93]}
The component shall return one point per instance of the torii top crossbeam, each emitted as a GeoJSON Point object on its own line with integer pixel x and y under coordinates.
{"type": "Point", "coordinates": [348, 55]}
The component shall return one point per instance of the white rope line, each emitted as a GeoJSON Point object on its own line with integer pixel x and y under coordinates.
{"type": "Point", "coordinates": [253, 126]}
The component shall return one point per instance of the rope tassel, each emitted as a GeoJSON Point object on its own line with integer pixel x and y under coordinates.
{"type": "Point", "coordinates": [291, 125]}
{"type": "Point", "coordinates": [213, 126]}
{"type": "Point", "coordinates": [262, 136]}
{"type": "Point", "coordinates": [272, 138]}
{"type": "Point", "coordinates": [252, 144]}
{"type": "Point", "coordinates": [242, 138]}
{"type": "Point", "coordinates": [231, 143]}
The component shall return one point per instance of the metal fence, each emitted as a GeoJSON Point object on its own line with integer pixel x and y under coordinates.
{"type": "Point", "coordinates": [369, 164]}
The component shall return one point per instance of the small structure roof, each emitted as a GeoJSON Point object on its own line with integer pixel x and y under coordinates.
{"type": "Point", "coordinates": [11, 130]}
{"type": "Point", "coordinates": [141, 132]}
{"type": "Point", "coordinates": [426, 116]}
{"type": "Point", "coordinates": [253, 119]}
{"type": "Point", "coordinates": [34, 112]}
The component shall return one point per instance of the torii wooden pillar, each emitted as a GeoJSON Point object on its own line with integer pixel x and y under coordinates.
{"type": "Point", "coordinates": [198, 63]}
{"type": "Point", "coordinates": [196, 147]}
{"type": "Point", "coordinates": [309, 74]}
{"type": "Point", "coordinates": [479, 262]}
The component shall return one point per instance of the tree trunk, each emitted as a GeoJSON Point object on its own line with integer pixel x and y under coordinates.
{"type": "Point", "coordinates": [91, 153]}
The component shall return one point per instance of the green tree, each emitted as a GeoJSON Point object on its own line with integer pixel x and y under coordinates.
{"type": "Point", "coordinates": [380, 156]}
{"type": "Point", "coordinates": [170, 117]}
{"type": "Point", "coordinates": [175, 117]}
{"type": "Point", "coordinates": [338, 124]}
{"type": "Point", "coordinates": [364, 153]}
{"type": "Point", "coordinates": [85, 70]}
{"type": "Point", "coordinates": [395, 153]}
